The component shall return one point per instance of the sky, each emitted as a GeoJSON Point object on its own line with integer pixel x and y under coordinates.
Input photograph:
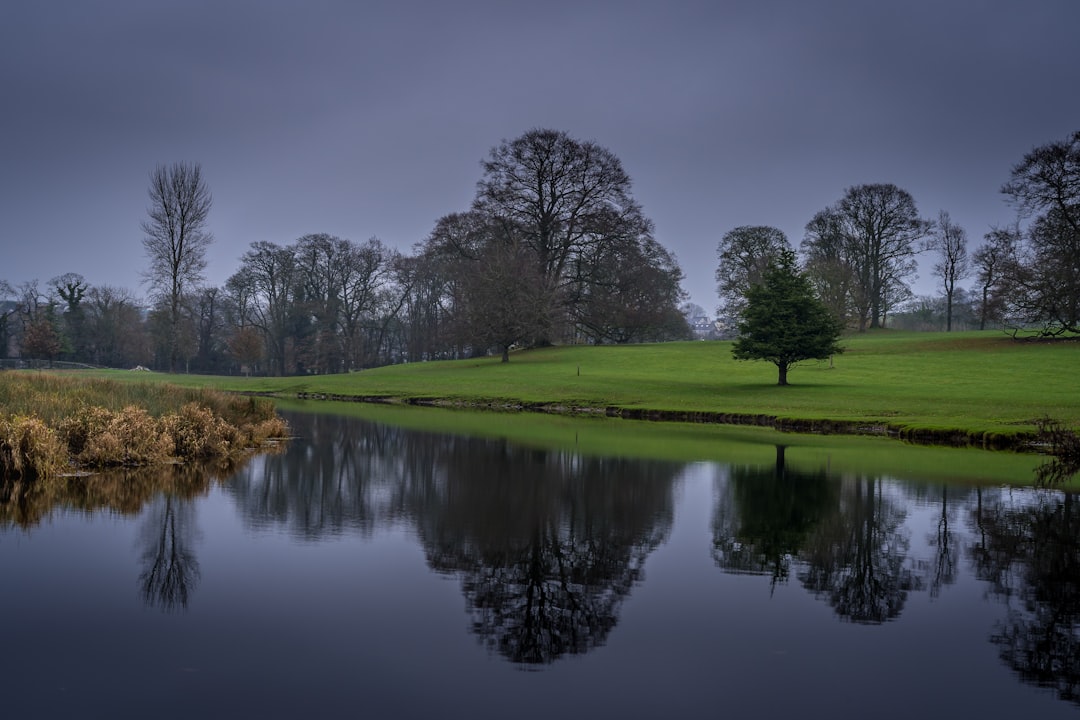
{"type": "Point", "coordinates": [364, 118]}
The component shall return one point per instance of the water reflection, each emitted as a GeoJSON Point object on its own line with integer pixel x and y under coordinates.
{"type": "Point", "coordinates": [164, 497]}
{"type": "Point", "coordinates": [26, 504]}
{"type": "Point", "coordinates": [846, 539]}
{"type": "Point", "coordinates": [1026, 549]}
{"type": "Point", "coordinates": [763, 518]}
{"type": "Point", "coordinates": [1056, 472]}
{"type": "Point", "coordinates": [857, 558]}
{"type": "Point", "coordinates": [166, 538]}
{"type": "Point", "coordinates": [945, 540]}
{"type": "Point", "coordinates": [546, 544]}
{"type": "Point", "coordinates": [343, 475]}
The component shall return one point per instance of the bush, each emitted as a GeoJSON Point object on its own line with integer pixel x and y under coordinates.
{"type": "Point", "coordinates": [29, 449]}
{"type": "Point", "coordinates": [196, 432]}
{"type": "Point", "coordinates": [130, 437]}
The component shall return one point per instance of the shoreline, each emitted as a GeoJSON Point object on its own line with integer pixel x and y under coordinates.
{"type": "Point", "coordinates": [947, 437]}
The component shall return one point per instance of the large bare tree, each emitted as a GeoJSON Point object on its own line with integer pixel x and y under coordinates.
{"type": "Point", "coordinates": [561, 200]}
{"type": "Point", "coordinates": [1045, 187]}
{"type": "Point", "coordinates": [176, 239]}
{"type": "Point", "coordinates": [875, 229]}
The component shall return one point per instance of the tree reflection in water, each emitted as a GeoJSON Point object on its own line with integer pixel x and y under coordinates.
{"type": "Point", "coordinates": [946, 543]}
{"type": "Point", "coordinates": [547, 544]}
{"type": "Point", "coordinates": [346, 477]}
{"type": "Point", "coordinates": [763, 523]}
{"type": "Point", "coordinates": [1028, 552]}
{"type": "Point", "coordinates": [170, 569]}
{"type": "Point", "coordinates": [846, 537]}
{"type": "Point", "coordinates": [164, 496]}
{"type": "Point", "coordinates": [857, 558]}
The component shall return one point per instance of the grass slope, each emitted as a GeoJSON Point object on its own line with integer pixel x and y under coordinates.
{"type": "Point", "coordinates": [975, 383]}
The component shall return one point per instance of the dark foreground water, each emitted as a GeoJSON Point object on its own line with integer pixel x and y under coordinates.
{"type": "Point", "coordinates": [372, 572]}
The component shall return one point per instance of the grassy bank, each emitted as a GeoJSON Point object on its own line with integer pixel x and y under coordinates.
{"type": "Point", "coordinates": [50, 424]}
{"type": "Point", "coordinates": [981, 388]}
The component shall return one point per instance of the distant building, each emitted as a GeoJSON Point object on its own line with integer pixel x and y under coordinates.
{"type": "Point", "coordinates": [703, 326]}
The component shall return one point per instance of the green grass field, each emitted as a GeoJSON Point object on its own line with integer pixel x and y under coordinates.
{"type": "Point", "coordinates": [976, 382]}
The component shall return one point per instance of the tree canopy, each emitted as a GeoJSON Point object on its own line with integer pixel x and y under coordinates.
{"type": "Point", "coordinates": [1045, 187]}
{"type": "Point", "coordinates": [176, 240]}
{"type": "Point", "coordinates": [864, 246]}
{"type": "Point", "coordinates": [555, 248]}
{"type": "Point", "coordinates": [784, 322]}
{"type": "Point", "coordinates": [744, 253]}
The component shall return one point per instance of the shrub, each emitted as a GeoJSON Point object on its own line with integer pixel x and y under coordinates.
{"type": "Point", "coordinates": [196, 432]}
{"type": "Point", "coordinates": [29, 449]}
{"type": "Point", "coordinates": [130, 437]}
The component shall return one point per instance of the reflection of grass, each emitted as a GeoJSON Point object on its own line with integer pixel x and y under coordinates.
{"type": "Point", "coordinates": [48, 419]}
{"type": "Point", "coordinates": [124, 491]}
{"type": "Point", "coordinates": [687, 442]}
{"type": "Point", "coordinates": [983, 384]}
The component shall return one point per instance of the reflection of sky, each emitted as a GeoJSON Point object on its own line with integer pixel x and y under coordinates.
{"type": "Point", "coordinates": [357, 623]}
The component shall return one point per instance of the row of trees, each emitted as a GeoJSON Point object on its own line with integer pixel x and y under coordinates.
{"type": "Point", "coordinates": [553, 249]}
{"type": "Point", "coordinates": [860, 253]}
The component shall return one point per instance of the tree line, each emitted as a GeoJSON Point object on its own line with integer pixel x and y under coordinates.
{"type": "Point", "coordinates": [860, 254]}
{"type": "Point", "coordinates": [554, 249]}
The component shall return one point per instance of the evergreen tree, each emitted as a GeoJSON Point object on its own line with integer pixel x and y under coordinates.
{"type": "Point", "coordinates": [784, 322]}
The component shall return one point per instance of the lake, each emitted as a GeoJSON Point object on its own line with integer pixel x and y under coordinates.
{"type": "Point", "coordinates": [372, 570]}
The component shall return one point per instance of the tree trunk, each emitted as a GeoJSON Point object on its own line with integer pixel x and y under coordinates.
{"type": "Point", "coordinates": [982, 310]}
{"type": "Point", "coordinates": [782, 367]}
{"type": "Point", "coordinates": [506, 353]}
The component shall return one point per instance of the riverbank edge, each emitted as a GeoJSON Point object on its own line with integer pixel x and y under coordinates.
{"type": "Point", "coordinates": [1019, 441]}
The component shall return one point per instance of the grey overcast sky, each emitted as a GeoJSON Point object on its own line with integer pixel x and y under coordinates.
{"type": "Point", "coordinates": [369, 119]}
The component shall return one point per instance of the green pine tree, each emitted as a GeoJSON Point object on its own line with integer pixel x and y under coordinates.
{"type": "Point", "coordinates": [784, 322]}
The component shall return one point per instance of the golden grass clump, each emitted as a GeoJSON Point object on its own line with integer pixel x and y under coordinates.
{"type": "Point", "coordinates": [47, 422]}
{"type": "Point", "coordinates": [130, 437]}
{"type": "Point", "coordinates": [81, 425]}
{"type": "Point", "coordinates": [274, 428]}
{"type": "Point", "coordinates": [30, 449]}
{"type": "Point", "coordinates": [196, 432]}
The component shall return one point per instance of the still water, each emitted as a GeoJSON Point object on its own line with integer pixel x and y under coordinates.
{"type": "Point", "coordinates": [372, 571]}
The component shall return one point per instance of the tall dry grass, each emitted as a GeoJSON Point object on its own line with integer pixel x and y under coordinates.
{"type": "Point", "coordinates": [50, 423]}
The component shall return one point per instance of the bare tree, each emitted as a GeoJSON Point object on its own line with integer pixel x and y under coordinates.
{"type": "Point", "coordinates": [830, 267]}
{"type": "Point", "coordinates": [558, 198]}
{"type": "Point", "coordinates": [744, 254]}
{"type": "Point", "coordinates": [949, 241]}
{"type": "Point", "coordinates": [503, 298]}
{"type": "Point", "coordinates": [877, 227]}
{"type": "Point", "coordinates": [1045, 185]}
{"type": "Point", "coordinates": [115, 333]}
{"type": "Point", "coordinates": [8, 308]}
{"type": "Point", "coordinates": [993, 264]}
{"type": "Point", "coordinates": [265, 286]}
{"type": "Point", "coordinates": [175, 240]}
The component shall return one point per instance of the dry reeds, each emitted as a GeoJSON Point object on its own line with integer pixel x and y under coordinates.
{"type": "Point", "coordinates": [29, 448]}
{"type": "Point", "coordinates": [49, 424]}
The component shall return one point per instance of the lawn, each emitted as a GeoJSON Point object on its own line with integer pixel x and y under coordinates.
{"type": "Point", "coordinates": [974, 382]}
